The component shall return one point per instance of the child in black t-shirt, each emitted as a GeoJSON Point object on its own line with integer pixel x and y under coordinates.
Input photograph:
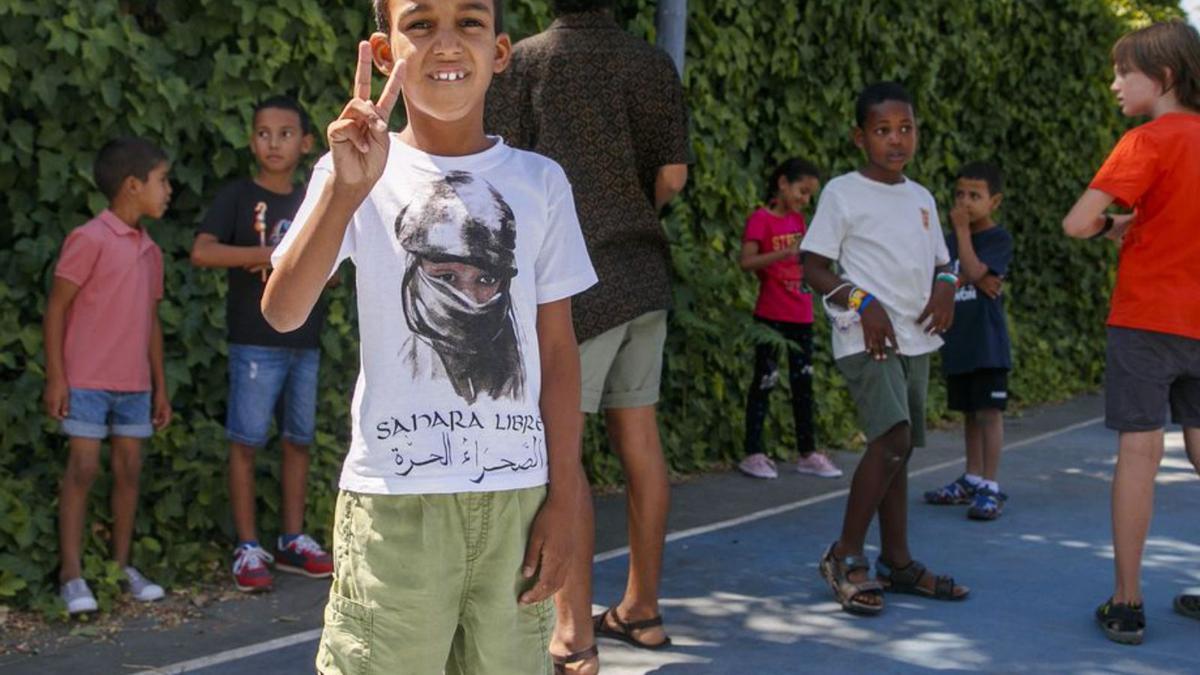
{"type": "Point", "coordinates": [976, 356]}
{"type": "Point", "coordinates": [269, 372]}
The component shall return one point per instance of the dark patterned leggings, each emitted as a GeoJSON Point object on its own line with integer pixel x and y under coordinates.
{"type": "Point", "coordinates": [766, 376]}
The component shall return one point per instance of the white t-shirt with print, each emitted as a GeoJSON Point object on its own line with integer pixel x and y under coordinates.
{"type": "Point", "coordinates": [887, 240]}
{"type": "Point", "coordinates": [453, 257]}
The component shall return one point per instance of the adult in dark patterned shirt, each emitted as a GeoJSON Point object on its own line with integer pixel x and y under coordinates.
{"type": "Point", "coordinates": [609, 108]}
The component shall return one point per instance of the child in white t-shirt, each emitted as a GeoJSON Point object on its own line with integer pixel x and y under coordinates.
{"type": "Point", "coordinates": [447, 541]}
{"type": "Point", "coordinates": [898, 293]}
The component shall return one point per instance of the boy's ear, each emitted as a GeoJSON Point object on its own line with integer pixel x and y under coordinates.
{"type": "Point", "coordinates": [381, 52]}
{"type": "Point", "coordinates": [996, 199]}
{"type": "Point", "coordinates": [858, 138]}
{"type": "Point", "coordinates": [131, 185]}
{"type": "Point", "coordinates": [503, 53]}
{"type": "Point", "coordinates": [306, 144]}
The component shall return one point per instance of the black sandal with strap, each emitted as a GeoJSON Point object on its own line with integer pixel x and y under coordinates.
{"type": "Point", "coordinates": [850, 594]}
{"type": "Point", "coordinates": [1188, 605]}
{"type": "Point", "coordinates": [626, 628]}
{"type": "Point", "coordinates": [1122, 623]}
{"type": "Point", "coordinates": [908, 580]}
{"type": "Point", "coordinates": [561, 662]}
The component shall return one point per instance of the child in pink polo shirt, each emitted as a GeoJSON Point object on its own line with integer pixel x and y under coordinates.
{"type": "Point", "coordinates": [771, 249]}
{"type": "Point", "coordinates": [104, 355]}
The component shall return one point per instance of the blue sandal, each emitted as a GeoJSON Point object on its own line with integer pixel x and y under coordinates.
{"type": "Point", "coordinates": [987, 505]}
{"type": "Point", "coordinates": [958, 492]}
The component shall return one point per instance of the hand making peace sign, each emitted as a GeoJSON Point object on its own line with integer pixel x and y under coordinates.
{"type": "Point", "coordinates": [358, 138]}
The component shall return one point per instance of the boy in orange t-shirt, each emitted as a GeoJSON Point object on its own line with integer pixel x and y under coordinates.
{"type": "Point", "coordinates": [1153, 357]}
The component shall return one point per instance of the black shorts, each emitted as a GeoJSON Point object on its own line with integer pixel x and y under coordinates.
{"type": "Point", "coordinates": [1146, 373]}
{"type": "Point", "coordinates": [983, 389]}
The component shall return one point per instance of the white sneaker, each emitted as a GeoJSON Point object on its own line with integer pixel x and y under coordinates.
{"type": "Point", "coordinates": [818, 464]}
{"type": "Point", "coordinates": [758, 465]}
{"type": "Point", "coordinates": [78, 597]}
{"type": "Point", "coordinates": [141, 588]}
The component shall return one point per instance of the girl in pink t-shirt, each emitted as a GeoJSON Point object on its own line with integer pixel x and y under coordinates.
{"type": "Point", "coordinates": [770, 249]}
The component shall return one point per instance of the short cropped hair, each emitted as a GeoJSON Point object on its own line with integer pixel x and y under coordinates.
{"type": "Point", "coordinates": [286, 103]}
{"type": "Point", "coordinates": [384, 22]}
{"type": "Point", "coordinates": [123, 157]}
{"type": "Point", "coordinates": [792, 169]}
{"type": "Point", "coordinates": [984, 171]}
{"type": "Point", "coordinates": [874, 94]}
{"type": "Point", "coordinates": [1170, 46]}
{"type": "Point", "coordinates": [560, 7]}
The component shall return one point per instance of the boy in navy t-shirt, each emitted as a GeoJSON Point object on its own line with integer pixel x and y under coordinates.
{"type": "Point", "coordinates": [976, 357]}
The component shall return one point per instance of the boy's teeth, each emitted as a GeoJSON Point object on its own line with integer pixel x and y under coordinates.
{"type": "Point", "coordinates": [449, 77]}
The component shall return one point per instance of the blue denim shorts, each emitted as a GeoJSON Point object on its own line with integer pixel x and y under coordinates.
{"type": "Point", "coordinates": [98, 413]}
{"type": "Point", "coordinates": [271, 382]}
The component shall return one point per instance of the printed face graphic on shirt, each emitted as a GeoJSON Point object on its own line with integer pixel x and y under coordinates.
{"type": "Point", "coordinates": [460, 235]}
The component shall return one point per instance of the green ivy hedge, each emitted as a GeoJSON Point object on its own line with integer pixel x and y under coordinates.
{"type": "Point", "coordinates": [1020, 82]}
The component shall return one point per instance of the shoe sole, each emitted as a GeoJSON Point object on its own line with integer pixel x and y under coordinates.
{"type": "Point", "coordinates": [253, 589]}
{"type": "Point", "coordinates": [85, 610]}
{"type": "Point", "coordinates": [301, 571]}
{"type": "Point", "coordinates": [818, 474]}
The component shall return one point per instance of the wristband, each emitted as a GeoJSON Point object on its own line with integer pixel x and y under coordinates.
{"type": "Point", "coordinates": [866, 301]}
{"type": "Point", "coordinates": [855, 301]}
{"type": "Point", "coordinates": [1108, 226]}
{"type": "Point", "coordinates": [948, 278]}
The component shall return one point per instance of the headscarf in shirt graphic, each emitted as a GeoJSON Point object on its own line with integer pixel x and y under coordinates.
{"type": "Point", "coordinates": [461, 237]}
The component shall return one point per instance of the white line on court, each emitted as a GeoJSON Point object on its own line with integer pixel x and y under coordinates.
{"type": "Point", "coordinates": [298, 638]}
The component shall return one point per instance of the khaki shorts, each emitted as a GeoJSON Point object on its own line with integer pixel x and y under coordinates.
{"type": "Point", "coordinates": [622, 367]}
{"type": "Point", "coordinates": [888, 392]}
{"type": "Point", "coordinates": [426, 584]}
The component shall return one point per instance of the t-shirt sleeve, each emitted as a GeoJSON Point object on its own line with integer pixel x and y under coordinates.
{"type": "Point", "coordinates": [828, 229]}
{"type": "Point", "coordinates": [78, 258]}
{"type": "Point", "coordinates": [221, 219]}
{"type": "Point", "coordinates": [158, 274]}
{"type": "Point", "coordinates": [1130, 169]}
{"type": "Point", "coordinates": [998, 255]}
{"type": "Point", "coordinates": [563, 266]}
{"type": "Point", "coordinates": [659, 115]}
{"type": "Point", "coordinates": [756, 230]}
{"type": "Point", "coordinates": [320, 176]}
{"type": "Point", "coordinates": [941, 253]}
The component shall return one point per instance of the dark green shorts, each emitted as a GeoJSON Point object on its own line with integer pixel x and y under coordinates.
{"type": "Point", "coordinates": [888, 392]}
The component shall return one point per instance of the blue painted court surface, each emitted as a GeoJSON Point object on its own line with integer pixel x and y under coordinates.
{"type": "Point", "coordinates": [748, 598]}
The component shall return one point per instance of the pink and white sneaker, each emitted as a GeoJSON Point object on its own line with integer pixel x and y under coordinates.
{"type": "Point", "coordinates": [818, 464]}
{"type": "Point", "coordinates": [758, 465]}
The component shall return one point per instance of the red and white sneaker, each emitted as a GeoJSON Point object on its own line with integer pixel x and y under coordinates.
{"type": "Point", "coordinates": [303, 555]}
{"type": "Point", "coordinates": [250, 571]}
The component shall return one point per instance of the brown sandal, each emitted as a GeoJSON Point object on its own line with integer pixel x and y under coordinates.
{"type": "Point", "coordinates": [849, 594]}
{"type": "Point", "coordinates": [625, 634]}
{"type": "Point", "coordinates": [561, 662]}
{"type": "Point", "coordinates": [908, 580]}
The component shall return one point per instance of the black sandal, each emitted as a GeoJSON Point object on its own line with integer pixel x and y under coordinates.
{"type": "Point", "coordinates": [849, 594]}
{"type": "Point", "coordinates": [1122, 623]}
{"type": "Point", "coordinates": [1188, 605]}
{"type": "Point", "coordinates": [908, 580]}
{"type": "Point", "coordinates": [561, 662]}
{"type": "Point", "coordinates": [625, 632]}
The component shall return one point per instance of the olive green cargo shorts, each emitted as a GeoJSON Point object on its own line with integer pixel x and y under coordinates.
{"type": "Point", "coordinates": [622, 367]}
{"type": "Point", "coordinates": [888, 392]}
{"type": "Point", "coordinates": [426, 584]}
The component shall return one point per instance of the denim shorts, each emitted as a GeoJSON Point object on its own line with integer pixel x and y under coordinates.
{"type": "Point", "coordinates": [98, 413]}
{"type": "Point", "coordinates": [271, 382]}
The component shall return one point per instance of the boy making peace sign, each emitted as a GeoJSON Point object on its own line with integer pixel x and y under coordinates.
{"type": "Point", "coordinates": [462, 477]}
